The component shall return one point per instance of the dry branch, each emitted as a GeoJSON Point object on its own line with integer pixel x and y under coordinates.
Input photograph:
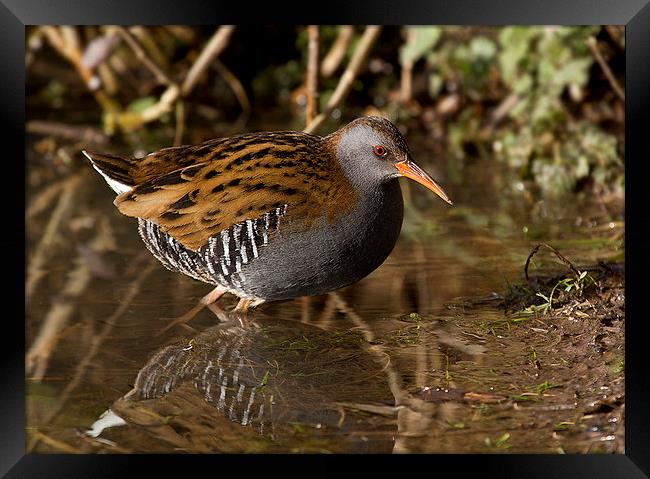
{"type": "Point", "coordinates": [337, 51]}
{"type": "Point", "coordinates": [65, 41]}
{"type": "Point", "coordinates": [593, 46]}
{"type": "Point", "coordinates": [141, 55]}
{"type": "Point", "coordinates": [236, 87]}
{"type": "Point", "coordinates": [312, 73]}
{"type": "Point", "coordinates": [212, 50]}
{"type": "Point", "coordinates": [344, 86]}
{"type": "Point", "coordinates": [557, 253]}
{"type": "Point", "coordinates": [69, 132]}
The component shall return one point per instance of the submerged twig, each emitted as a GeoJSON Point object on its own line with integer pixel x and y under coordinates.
{"type": "Point", "coordinates": [344, 86]}
{"type": "Point", "coordinates": [557, 253]}
{"type": "Point", "coordinates": [593, 46]}
{"type": "Point", "coordinates": [312, 73]}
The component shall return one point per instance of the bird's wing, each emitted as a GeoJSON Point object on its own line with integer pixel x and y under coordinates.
{"type": "Point", "coordinates": [229, 183]}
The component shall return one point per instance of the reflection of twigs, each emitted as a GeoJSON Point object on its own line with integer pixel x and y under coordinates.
{"type": "Point", "coordinates": [69, 132]}
{"type": "Point", "coordinates": [45, 246]}
{"type": "Point", "coordinates": [376, 349]}
{"type": "Point", "coordinates": [593, 46]}
{"type": "Point", "coordinates": [96, 342]}
{"type": "Point", "coordinates": [347, 79]}
{"type": "Point", "coordinates": [140, 54]}
{"type": "Point", "coordinates": [337, 51]}
{"type": "Point", "coordinates": [63, 306]}
{"type": "Point", "coordinates": [236, 87]}
{"type": "Point", "coordinates": [212, 50]}
{"type": "Point", "coordinates": [312, 73]}
{"type": "Point", "coordinates": [59, 446]}
{"type": "Point", "coordinates": [44, 198]}
{"type": "Point", "coordinates": [557, 253]}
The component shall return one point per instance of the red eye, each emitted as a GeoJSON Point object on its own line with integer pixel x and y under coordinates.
{"type": "Point", "coordinates": [379, 150]}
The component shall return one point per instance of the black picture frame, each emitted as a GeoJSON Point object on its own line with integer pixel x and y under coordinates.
{"type": "Point", "coordinates": [634, 14]}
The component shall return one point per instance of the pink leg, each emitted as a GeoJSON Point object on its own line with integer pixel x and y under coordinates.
{"type": "Point", "coordinates": [206, 300]}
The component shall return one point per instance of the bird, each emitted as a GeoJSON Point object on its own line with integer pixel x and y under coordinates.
{"type": "Point", "coordinates": [271, 215]}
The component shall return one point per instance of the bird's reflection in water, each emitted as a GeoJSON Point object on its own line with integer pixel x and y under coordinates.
{"type": "Point", "coordinates": [291, 382]}
{"type": "Point", "coordinates": [261, 373]}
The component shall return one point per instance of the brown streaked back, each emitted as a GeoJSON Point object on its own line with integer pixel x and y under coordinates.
{"type": "Point", "coordinates": [195, 192]}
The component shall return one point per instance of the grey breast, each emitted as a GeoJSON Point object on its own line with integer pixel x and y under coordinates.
{"type": "Point", "coordinates": [329, 256]}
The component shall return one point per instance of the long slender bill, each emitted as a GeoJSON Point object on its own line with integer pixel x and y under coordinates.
{"type": "Point", "coordinates": [413, 171]}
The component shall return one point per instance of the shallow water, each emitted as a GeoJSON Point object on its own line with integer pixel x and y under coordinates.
{"type": "Point", "coordinates": [406, 360]}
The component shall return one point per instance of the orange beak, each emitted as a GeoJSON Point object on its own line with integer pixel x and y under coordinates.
{"type": "Point", "coordinates": [413, 171]}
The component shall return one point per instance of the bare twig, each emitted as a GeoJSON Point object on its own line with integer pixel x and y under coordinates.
{"type": "Point", "coordinates": [312, 73]}
{"type": "Point", "coordinates": [212, 50]}
{"type": "Point", "coordinates": [236, 87]}
{"type": "Point", "coordinates": [69, 132]}
{"type": "Point", "coordinates": [65, 41]}
{"type": "Point", "coordinates": [140, 54]}
{"type": "Point", "coordinates": [593, 46]}
{"type": "Point", "coordinates": [180, 123]}
{"type": "Point", "coordinates": [406, 81]}
{"type": "Point", "coordinates": [557, 253]}
{"type": "Point", "coordinates": [344, 86]}
{"type": "Point", "coordinates": [406, 75]}
{"type": "Point", "coordinates": [150, 45]}
{"type": "Point", "coordinates": [337, 51]}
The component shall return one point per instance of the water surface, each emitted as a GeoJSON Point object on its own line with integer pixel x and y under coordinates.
{"type": "Point", "coordinates": [406, 360]}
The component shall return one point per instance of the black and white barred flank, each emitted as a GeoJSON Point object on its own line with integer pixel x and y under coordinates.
{"type": "Point", "coordinates": [220, 261]}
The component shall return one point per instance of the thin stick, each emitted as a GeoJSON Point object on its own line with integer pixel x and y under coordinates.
{"type": "Point", "coordinates": [141, 55]}
{"type": "Point", "coordinates": [406, 81]}
{"type": "Point", "coordinates": [342, 90]}
{"type": "Point", "coordinates": [312, 73]}
{"type": "Point", "coordinates": [593, 46]}
{"type": "Point", "coordinates": [557, 253]}
{"type": "Point", "coordinates": [212, 50]}
{"type": "Point", "coordinates": [65, 41]}
{"type": "Point", "coordinates": [235, 85]}
{"type": "Point", "coordinates": [180, 123]}
{"type": "Point", "coordinates": [69, 132]}
{"type": "Point", "coordinates": [337, 51]}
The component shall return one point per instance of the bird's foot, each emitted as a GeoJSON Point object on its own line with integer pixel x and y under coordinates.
{"type": "Point", "coordinates": [207, 300]}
